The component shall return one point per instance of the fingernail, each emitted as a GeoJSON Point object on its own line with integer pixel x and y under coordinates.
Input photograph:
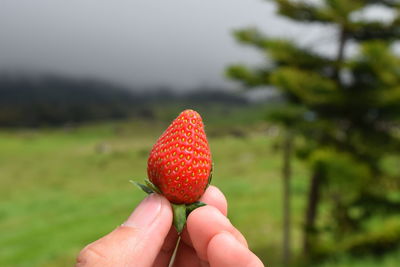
{"type": "Point", "coordinates": [145, 213]}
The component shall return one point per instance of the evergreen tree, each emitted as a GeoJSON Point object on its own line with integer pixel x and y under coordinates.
{"type": "Point", "coordinates": [345, 110]}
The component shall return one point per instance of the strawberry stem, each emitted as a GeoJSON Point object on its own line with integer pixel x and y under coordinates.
{"type": "Point", "coordinates": [180, 211]}
{"type": "Point", "coordinates": [173, 257]}
{"type": "Point", "coordinates": [179, 216]}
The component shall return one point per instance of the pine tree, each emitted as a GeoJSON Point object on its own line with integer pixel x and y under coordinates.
{"type": "Point", "coordinates": [346, 111]}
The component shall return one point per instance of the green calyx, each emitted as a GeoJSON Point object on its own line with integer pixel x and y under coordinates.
{"type": "Point", "coordinates": [180, 211]}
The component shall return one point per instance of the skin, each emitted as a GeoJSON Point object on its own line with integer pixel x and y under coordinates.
{"type": "Point", "coordinates": [148, 238]}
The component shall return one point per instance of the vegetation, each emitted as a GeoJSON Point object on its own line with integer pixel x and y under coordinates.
{"type": "Point", "coordinates": [63, 188]}
{"type": "Point", "coordinates": [345, 113]}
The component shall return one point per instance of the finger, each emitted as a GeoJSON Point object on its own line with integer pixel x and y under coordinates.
{"type": "Point", "coordinates": [137, 242]}
{"type": "Point", "coordinates": [186, 256]}
{"type": "Point", "coordinates": [167, 249]}
{"type": "Point", "coordinates": [224, 250]}
{"type": "Point", "coordinates": [213, 197]}
{"type": "Point", "coordinates": [206, 222]}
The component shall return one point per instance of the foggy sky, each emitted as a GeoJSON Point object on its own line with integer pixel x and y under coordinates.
{"type": "Point", "coordinates": [179, 43]}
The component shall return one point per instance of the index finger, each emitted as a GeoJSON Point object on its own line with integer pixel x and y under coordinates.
{"type": "Point", "coordinates": [213, 197]}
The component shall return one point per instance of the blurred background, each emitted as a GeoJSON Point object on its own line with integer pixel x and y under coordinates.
{"type": "Point", "coordinates": [301, 102]}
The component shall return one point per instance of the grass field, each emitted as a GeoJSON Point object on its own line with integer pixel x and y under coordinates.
{"type": "Point", "coordinates": [63, 188]}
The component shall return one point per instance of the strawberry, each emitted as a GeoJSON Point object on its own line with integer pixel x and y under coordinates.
{"type": "Point", "coordinates": [179, 166]}
{"type": "Point", "coordinates": [180, 162]}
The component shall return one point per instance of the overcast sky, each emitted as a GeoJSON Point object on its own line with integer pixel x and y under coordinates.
{"type": "Point", "coordinates": [179, 43]}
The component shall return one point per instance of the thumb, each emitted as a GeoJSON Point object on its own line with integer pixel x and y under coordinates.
{"type": "Point", "coordinates": [136, 242]}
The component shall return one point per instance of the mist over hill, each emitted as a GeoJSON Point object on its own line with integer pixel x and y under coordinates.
{"type": "Point", "coordinates": [52, 100]}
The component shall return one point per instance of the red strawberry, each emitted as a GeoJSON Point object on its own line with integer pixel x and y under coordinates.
{"type": "Point", "coordinates": [180, 162]}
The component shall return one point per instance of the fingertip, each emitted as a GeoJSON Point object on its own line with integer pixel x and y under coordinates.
{"type": "Point", "coordinates": [214, 197]}
{"type": "Point", "coordinates": [204, 223]}
{"type": "Point", "coordinates": [154, 209]}
{"type": "Point", "coordinates": [225, 250]}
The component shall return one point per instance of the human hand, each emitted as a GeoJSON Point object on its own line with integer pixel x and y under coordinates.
{"type": "Point", "coordinates": [148, 238]}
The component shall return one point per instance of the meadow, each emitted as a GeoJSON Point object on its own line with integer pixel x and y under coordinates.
{"type": "Point", "coordinates": [63, 188]}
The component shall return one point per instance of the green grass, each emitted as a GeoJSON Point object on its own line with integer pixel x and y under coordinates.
{"type": "Point", "coordinates": [63, 188]}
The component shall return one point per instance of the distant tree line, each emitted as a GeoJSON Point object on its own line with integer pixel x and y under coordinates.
{"type": "Point", "coordinates": [51, 100]}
